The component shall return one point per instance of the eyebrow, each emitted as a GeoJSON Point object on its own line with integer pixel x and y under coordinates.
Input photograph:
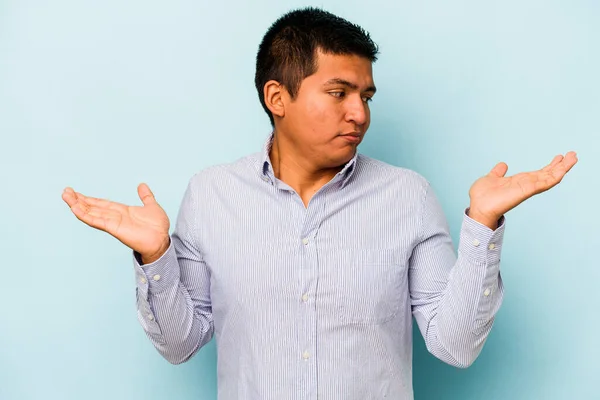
{"type": "Point", "coordinates": [339, 81]}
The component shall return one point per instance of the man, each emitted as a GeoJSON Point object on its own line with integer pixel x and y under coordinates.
{"type": "Point", "coordinates": [308, 260]}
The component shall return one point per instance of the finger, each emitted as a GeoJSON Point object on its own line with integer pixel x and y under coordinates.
{"type": "Point", "coordinates": [571, 157]}
{"type": "Point", "coordinates": [72, 198]}
{"type": "Point", "coordinates": [91, 218]}
{"type": "Point", "coordinates": [499, 170]}
{"type": "Point", "coordinates": [565, 165]}
{"type": "Point", "coordinates": [146, 194]}
{"type": "Point", "coordinates": [554, 176]}
{"type": "Point", "coordinates": [96, 202]}
{"type": "Point", "coordinates": [97, 217]}
{"type": "Point", "coordinates": [69, 197]}
{"type": "Point", "coordinates": [557, 159]}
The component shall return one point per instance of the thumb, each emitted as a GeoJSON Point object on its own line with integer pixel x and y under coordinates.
{"type": "Point", "coordinates": [146, 194]}
{"type": "Point", "coordinates": [499, 170]}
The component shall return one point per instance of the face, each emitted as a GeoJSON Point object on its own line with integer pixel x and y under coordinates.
{"type": "Point", "coordinates": [330, 114]}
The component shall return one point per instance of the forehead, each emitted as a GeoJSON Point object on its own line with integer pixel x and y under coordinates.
{"type": "Point", "coordinates": [353, 68]}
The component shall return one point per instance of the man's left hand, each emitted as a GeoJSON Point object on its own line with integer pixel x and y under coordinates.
{"type": "Point", "coordinates": [494, 195]}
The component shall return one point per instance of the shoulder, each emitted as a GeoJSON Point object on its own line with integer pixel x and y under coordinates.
{"type": "Point", "coordinates": [375, 170]}
{"type": "Point", "coordinates": [226, 174]}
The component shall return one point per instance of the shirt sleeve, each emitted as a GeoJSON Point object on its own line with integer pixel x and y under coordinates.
{"type": "Point", "coordinates": [173, 292]}
{"type": "Point", "coordinates": [455, 298]}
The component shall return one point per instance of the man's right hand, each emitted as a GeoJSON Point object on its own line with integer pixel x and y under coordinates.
{"type": "Point", "coordinates": [144, 229]}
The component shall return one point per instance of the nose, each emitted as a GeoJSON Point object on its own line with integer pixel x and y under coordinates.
{"type": "Point", "coordinates": [357, 110]}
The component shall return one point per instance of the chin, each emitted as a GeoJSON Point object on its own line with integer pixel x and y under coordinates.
{"type": "Point", "coordinates": [342, 157]}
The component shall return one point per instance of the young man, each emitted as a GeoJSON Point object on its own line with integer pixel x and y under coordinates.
{"type": "Point", "coordinates": [307, 261]}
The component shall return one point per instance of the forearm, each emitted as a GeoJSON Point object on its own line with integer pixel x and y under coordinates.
{"type": "Point", "coordinates": [465, 313]}
{"type": "Point", "coordinates": [166, 311]}
{"type": "Point", "coordinates": [458, 319]}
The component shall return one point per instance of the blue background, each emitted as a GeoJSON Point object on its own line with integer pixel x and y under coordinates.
{"type": "Point", "coordinates": [103, 95]}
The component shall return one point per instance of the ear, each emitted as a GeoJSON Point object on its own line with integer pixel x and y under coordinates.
{"type": "Point", "coordinates": [273, 94]}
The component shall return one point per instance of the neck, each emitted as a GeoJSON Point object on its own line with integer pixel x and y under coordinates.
{"type": "Point", "coordinates": [299, 171]}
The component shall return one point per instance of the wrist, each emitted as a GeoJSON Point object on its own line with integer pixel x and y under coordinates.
{"type": "Point", "coordinates": [148, 258]}
{"type": "Point", "coordinates": [491, 221]}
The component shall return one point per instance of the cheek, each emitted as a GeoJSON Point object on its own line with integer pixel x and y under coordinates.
{"type": "Point", "coordinates": [320, 112]}
{"type": "Point", "coordinates": [315, 110]}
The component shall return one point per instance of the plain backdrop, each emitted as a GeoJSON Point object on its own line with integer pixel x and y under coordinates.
{"type": "Point", "coordinates": [103, 95]}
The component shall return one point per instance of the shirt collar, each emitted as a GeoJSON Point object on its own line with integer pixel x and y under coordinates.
{"type": "Point", "coordinates": [266, 168]}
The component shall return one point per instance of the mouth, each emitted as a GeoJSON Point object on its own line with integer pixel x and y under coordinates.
{"type": "Point", "coordinates": [352, 137]}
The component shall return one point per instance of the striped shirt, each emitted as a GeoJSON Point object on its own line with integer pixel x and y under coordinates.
{"type": "Point", "coordinates": [317, 302]}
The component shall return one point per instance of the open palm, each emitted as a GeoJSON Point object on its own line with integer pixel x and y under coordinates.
{"type": "Point", "coordinates": [144, 229]}
{"type": "Point", "coordinates": [495, 194]}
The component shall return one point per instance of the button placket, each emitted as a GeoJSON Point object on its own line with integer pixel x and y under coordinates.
{"type": "Point", "coordinates": [309, 269]}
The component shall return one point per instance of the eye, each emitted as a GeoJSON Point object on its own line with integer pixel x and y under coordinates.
{"type": "Point", "coordinates": [367, 99]}
{"type": "Point", "coordinates": [339, 95]}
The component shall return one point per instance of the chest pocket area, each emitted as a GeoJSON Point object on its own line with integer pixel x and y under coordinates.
{"type": "Point", "coordinates": [371, 287]}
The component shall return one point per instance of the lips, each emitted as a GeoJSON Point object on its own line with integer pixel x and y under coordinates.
{"type": "Point", "coordinates": [352, 137]}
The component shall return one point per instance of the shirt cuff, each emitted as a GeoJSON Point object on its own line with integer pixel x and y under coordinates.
{"type": "Point", "coordinates": [479, 243]}
{"type": "Point", "coordinates": [159, 275]}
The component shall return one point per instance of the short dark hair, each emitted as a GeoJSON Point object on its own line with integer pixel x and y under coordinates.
{"type": "Point", "coordinates": [287, 52]}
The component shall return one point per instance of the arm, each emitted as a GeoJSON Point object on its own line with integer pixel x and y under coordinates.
{"type": "Point", "coordinates": [455, 299]}
{"type": "Point", "coordinates": [173, 292]}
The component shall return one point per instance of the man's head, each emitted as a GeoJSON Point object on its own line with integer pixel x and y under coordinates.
{"type": "Point", "coordinates": [314, 80]}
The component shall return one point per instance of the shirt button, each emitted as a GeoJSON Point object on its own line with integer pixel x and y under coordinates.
{"type": "Point", "coordinates": [305, 241]}
{"type": "Point", "coordinates": [305, 297]}
{"type": "Point", "coordinates": [156, 277]}
{"type": "Point", "coordinates": [305, 355]}
{"type": "Point", "coordinates": [492, 246]}
{"type": "Point", "coordinates": [475, 242]}
{"type": "Point", "coordinates": [486, 292]}
{"type": "Point", "coordinates": [264, 178]}
{"type": "Point", "coordinates": [143, 280]}
{"type": "Point", "coordinates": [151, 317]}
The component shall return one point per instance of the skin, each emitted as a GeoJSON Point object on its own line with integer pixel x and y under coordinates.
{"type": "Point", "coordinates": [316, 133]}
